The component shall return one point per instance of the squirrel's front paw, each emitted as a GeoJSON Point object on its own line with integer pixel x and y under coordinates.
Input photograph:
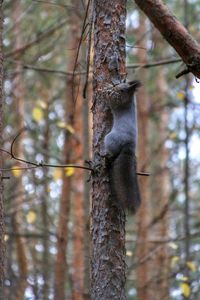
{"type": "Point", "coordinates": [107, 159]}
{"type": "Point", "coordinates": [95, 165]}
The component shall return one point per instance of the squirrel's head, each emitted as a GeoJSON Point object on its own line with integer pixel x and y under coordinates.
{"type": "Point", "coordinates": [121, 95]}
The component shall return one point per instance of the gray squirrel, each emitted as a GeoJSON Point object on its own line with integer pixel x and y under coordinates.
{"type": "Point", "coordinates": [120, 145]}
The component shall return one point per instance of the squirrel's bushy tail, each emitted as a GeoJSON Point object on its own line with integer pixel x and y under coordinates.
{"type": "Point", "coordinates": [124, 183]}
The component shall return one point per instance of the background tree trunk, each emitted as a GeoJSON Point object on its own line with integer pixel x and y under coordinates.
{"type": "Point", "coordinates": [72, 90]}
{"type": "Point", "coordinates": [2, 226]}
{"type": "Point", "coordinates": [45, 204]}
{"type": "Point", "coordinates": [159, 283]}
{"type": "Point", "coordinates": [78, 207]}
{"type": "Point", "coordinates": [143, 270]}
{"type": "Point", "coordinates": [86, 193]}
{"type": "Point", "coordinates": [18, 95]}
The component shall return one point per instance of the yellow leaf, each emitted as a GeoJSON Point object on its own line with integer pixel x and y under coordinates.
{"type": "Point", "coordinates": [57, 174]}
{"type": "Point", "coordinates": [180, 95]}
{"type": "Point", "coordinates": [6, 237]}
{"type": "Point", "coordinates": [37, 114]}
{"type": "Point", "coordinates": [185, 288]}
{"type": "Point", "coordinates": [69, 171]}
{"type": "Point", "coordinates": [174, 260]}
{"type": "Point", "coordinates": [184, 278]}
{"type": "Point", "coordinates": [191, 87]}
{"type": "Point", "coordinates": [42, 104]}
{"type": "Point", "coordinates": [70, 128]}
{"type": "Point", "coordinates": [16, 171]}
{"type": "Point", "coordinates": [61, 124]}
{"type": "Point", "coordinates": [191, 265]}
{"type": "Point", "coordinates": [48, 189]}
{"type": "Point", "coordinates": [129, 253]}
{"type": "Point", "coordinates": [173, 246]}
{"type": "Point", "coordinates": [31, 217]}
{"type": "Point", "coordinates": [173, 135]}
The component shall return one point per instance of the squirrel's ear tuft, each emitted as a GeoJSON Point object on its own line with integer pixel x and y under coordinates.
{"type": "Point", "coordinates": [130, 86]}
{"type": "Point", "coordinates": [134, 85]}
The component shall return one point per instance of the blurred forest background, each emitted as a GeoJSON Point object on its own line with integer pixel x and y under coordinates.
{"type": "Point", "coordinates": [47, 209]}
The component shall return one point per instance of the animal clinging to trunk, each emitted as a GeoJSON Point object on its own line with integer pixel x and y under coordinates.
{"type": "Point", "coordinates": [120, 145]}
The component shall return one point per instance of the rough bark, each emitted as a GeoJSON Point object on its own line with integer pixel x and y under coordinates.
{"type": "Point", "coordinates": [2, 226]}
{"type": "Point", "coordinates": [108, 221]}
{"type": "Point", "coordinates": [143, 269]}
{"type": "Point", "coordinates": [174, 32]}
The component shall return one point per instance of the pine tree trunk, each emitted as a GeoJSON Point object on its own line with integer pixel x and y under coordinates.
{"type": "Point", "coordinates": [108, 221]}
{"type": "Point", "coordinates": [144, 212]}
{"type": "Point", "coordinates": [86, 195]}
{"type": "Point", "coordinates": [78, 209]}
{"type": "Point", "coordinates": [160, 187]}
{"type": "Point", "coordinates": [44, 205]}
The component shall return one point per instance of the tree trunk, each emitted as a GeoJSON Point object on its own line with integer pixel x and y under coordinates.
{"type": "Point", "coordinates": [63, 217]}
{"type": "Point", "coordinates": [2, 226]}
{"type": "Point", "coordinates": [160, 186]}
{"type": "Point", "coordinates": [108, 221]}
{"type": "Point", "coordinates": [44, 206]}
{"type": "Point", "coordinates": [61, 263]}
{"type": "Point", "coordinates": [78, 211]}
{"type": "Point", "coordinates": [86, 196]}
{"type": "Point", "coordinates": [144, 212]}
{"type": "Point", "coordinates": [18, 95]}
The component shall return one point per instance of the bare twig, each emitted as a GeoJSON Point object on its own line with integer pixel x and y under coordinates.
{"type": "Point", "coordinates": [131, 66]}
{"type": "Point", "coordinates": [78, 49]}
{"type": "Point", "coordinates": [88, 55]}
{"type": "Point", "coordinates": [55, 4]}
{"type": "Point", "coordinates": [33, 165]}
{"type": "Point", "coordinates": [38, 39]}
{"type": "Point", "coordinates": [155, 64]}
{"type": "Point", "coordinates": [184, 72]}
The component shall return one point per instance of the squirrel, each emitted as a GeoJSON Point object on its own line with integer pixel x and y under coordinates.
{"type": "Point", "coordinates": [120, 145]}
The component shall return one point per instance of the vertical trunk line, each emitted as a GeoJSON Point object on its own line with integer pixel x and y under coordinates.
{"type": "Point", "coordinates": [2, 225]}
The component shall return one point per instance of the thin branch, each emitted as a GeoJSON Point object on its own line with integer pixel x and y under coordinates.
{"type": "Point", "coordinates": [46, 70]}
{"type": "Point", "coordinates": [131, 66]}
{"type": "Point", "coordinates": [155, 64]}
{"type": "Point", "coordinates": [88, 55]}
{"type": "Point", "coordinates": [163, 240]}
{"type": "Point", "coordinates": [84, 26]}
{"type": "Point", "coordinates": [55, 4]}
{"type": "Point", "coordinates": [41, 165]}
{"type": "Point", "coordinates": [33, 165]}
{"type": "Point", "coordinates": [38, 39]}
{"type": "Point", "coordinates": [184, 72]}
{"type": "Point", "coordinates": [143, 174]}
